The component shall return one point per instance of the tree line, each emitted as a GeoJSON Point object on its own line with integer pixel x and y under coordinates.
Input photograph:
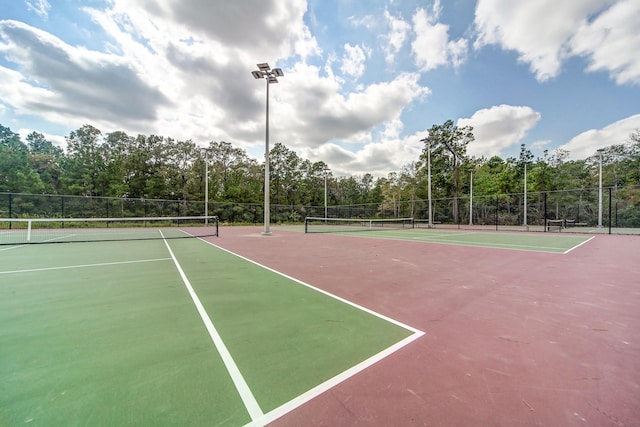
{"type": "Point", "coordinates": [156, 167]}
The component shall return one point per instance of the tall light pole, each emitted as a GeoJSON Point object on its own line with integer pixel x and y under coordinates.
{"type": "Point", "coordinates": [600, 151]}
{"type": "Point", "coordinates": [206, 187]}
{"type": "Point", "coordinates": [428, 142]}
{"type": "Point", "coordinates": [525, 193]}
{"type": "Point", "coordinates": [471, 198]}
{"type": "Point", "coordinates": [326, 173]}
{"type": "Point", "coordinates": [265, 71]}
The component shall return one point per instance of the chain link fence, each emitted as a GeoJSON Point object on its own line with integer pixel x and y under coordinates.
{"type": "Point", "coordinates": [572, 210]}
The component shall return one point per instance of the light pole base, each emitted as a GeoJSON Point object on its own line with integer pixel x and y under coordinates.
{"type": "Point", "coordinates": [266, 233]}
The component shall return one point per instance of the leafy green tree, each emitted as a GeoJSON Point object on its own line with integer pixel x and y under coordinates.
{"type": "Point", "coordinates": [541, 173]}
{"type": "Point", "coordinates": [16, 174]}
{"type": "Point", "coordinates": [448, 146]}
{"type": "Point", "coordinates": [410, 182]}
{"type": "Point", "coordinates": [366, 182]}
{"type": "Point", "coordinates": [156, 167]}
{"type": "Point", "coordinates": [118, 150]}
{"type": "Point", "coordinates": [148, 176]}
{"type": "Point", "coordinates": [178, 171]}
{"type": "Point", "coordinates": [84, 167]}
{"type": "Point", "coordinates": [391, 193]}
{"type": "Point", "coordinates": [633, 160]}
{"type": "Point", "coordinates": [45, 159]}
{"type": "Point", "coordinates": [287, 170]}
{"type": "Point", "coordinates": [313, 184]}
{"type": "Point", "coordinates": [229, 166]}
{"type": "Point", "coordinates": [489, 177]}
{"type": "Point", "coordinates": [349, 190]}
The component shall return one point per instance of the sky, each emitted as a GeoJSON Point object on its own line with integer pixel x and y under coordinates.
{"type": "Point", "coordinates": [364, 80]}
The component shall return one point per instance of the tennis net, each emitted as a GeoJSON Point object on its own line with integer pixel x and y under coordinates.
{"type": "Point", "coordinates": [17, 231]}
{"type": "Point", "coordinates": [336, 225]}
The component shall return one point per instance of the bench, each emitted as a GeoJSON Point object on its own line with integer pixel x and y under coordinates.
{"type": "Point", "coordinates": [555, 224]}
{"type": "Point", "coordinates": [572, 223]}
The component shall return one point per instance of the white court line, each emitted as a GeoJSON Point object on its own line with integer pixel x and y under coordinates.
{"type": "Point", "coordinates": [440, 240]}
{"type": "Point", "coordinates": [65, 267]}
{"type": "Point", "coordinates": [578, 245]}
{"type": "Point", "coordinates": [322, 291]}
{"type": "Point", "coordinates": [332, 382]}
{"type": "Point", "coordinates": [447, 235]}
{"type": "Point", "coordinates": [8, 248]}
{"type": "Point", "coordinates": [21, 245]}
{"type": "Point", "coordinates": [465, 243]}
{"type": "Point", "coordinates": [246, 395]}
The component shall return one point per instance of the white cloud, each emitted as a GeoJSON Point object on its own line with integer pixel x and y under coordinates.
{"type": "Point", "coordinates": [546, 33]}
{"type": "Point", "coordinates": [376, 158]}
{"type": "Point", "coordinates": [71, 84]}
{"type": "Point", "coordinates": [381, 158]}
{"type": "Point", "coordinates": [586, 143]}
{"type": "Point", "coordinates": [353, 60]}
{"type": "Point", "coordinates": [392, 129]}
{"type": "Point", "coordinates": [540, 145]}
{"type": "Point", "coordinates": [432, 47]}
{"type": "Point", "coordinates": [316, 111]}
{"type": "Point", "coordinates": [40, 7]}
{"type": "Point", "coordinates": [269, 28]}
{"type": "Point", "coordinates": [499, 127]}
{"type": "Point", "coordinates": [611, 42]}
{"type": "Point", "coordinates": [398, 31]}
{"type": "Point", "coordinates": [57, 140]}
{"type": "Point", "coordinates": [176, 87]}
{"type": "Point", "coordinates": [368, 21]}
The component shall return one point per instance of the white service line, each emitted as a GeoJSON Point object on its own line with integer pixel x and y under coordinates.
{"type": "Point", "coordinates": [322, 291]}
{"type": "Point", "coordinates": [332, 382]}
{"type": "Point", "coordinates": [578, 245]}
{"type": "Point", "coordinates": [8, 248]}
{"type": "Point", "coordinates": [23, 245]}
{"type": "Point", "coordinates": [65, 267]}
{"type": "Point", "coordinates": [249, 400]}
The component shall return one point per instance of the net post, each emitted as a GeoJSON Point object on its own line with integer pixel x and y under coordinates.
{"type": "Point", "coordinates": [28, 231]}
{"type": "Point", "coordinates": [306, 230]}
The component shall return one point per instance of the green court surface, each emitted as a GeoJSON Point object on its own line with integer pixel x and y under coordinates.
{"type": "Point", "coordinates": [537, 242]}
{"type": "Point", "coordinates": [110, 334]}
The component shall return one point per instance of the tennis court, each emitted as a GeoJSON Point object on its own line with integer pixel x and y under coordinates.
{"type": "Point", "coordinates": [172, 331]}
{"type": "Point", "coordinates": [325, 329]}
{"type": "Point", "coordinates": [403, 229]}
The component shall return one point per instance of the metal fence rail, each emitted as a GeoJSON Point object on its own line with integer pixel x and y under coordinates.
{"type": "Point", "coordinates": [577, 209]}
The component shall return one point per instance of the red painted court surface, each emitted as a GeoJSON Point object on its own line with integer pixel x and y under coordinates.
{"type": "Point", "coordinates": [512, 338]}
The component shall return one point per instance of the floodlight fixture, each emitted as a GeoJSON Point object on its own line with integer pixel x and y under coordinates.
{"type": "Point", "coordinates": [265, 71]}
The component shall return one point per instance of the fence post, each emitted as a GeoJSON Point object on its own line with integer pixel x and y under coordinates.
{"type": "Point", "coordinates": [609, 210]}
{"type": "Point", "coordinates": [497, 206]}
{"type": "Point", "coordinates": [545, 212]}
